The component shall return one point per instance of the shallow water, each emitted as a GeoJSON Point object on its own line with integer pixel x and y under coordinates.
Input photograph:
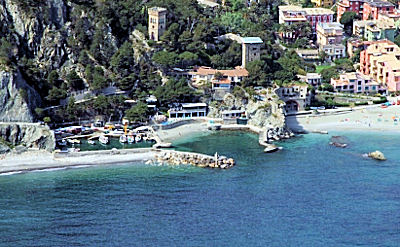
{"type": "Point", "coordinates": [309, 194]}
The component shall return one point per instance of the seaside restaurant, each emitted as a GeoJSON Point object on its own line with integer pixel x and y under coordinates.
{"type": "Point", "coordinates": [188, 111]}
{"type": "Point", "coordinates": [234, 117]}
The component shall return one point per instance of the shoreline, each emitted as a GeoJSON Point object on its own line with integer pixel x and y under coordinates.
{"type": "Point", "coordinates": [368, 119]}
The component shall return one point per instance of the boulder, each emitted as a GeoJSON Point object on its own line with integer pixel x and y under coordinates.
{"type": "Point", "coordinates": [377, 155]}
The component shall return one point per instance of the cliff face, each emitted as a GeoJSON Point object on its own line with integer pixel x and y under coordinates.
{"type": "Point", "coordinates": [263, 114]}
{"type": "Point", "coordinates": [17, 99]}
{"type": "Point", "coordinates": [28, 135]}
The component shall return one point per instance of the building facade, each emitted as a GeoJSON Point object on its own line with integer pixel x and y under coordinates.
{"type": "Point", "coordinates": [157, 22]}
{"type": "Point", "coordinates": [356, 82]}
{"type": "Point", "coordinates": [323, 3]}
{"type": "Point", "coordinates": [313, 79]}
{"type": "Point", "coordinates": [349, 5]}
{"type": "Point", "coordinates": [372, 8]}
{"type": "Point", "coordinates": [290, 14]}
{"type": "Point", "coordinates": [296, 96]}
{"type": "Point", "coordinates": [329, 33]}
{"type": "Point", "coordinates": [380, 29]}
{"type": "Point", "coordinates": [381, 61]}
{"type": "Point", "coordinates": [188, 111]}
{"type": "Point", "coordinates": [251, 49]}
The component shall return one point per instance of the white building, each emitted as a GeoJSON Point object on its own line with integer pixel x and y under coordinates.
{"type": "Point", "coordinates": [188, 111]}
{"type": "Point", "coordinates": [313, 79]}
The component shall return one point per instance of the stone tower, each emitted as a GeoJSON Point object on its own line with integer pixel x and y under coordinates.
{"type": "Point", "coordinates": [251, 49]}
{"type": "Point", "coordinates": [157, 22]}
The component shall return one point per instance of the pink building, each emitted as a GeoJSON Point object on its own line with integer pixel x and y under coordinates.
{"type": "Point", "coordinates": [355, 82]}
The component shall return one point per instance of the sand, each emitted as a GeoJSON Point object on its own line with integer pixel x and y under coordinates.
{"type": "Point", "coordinates": [181, 131]}
{"type": "Point", "coordinates": [372, 118]}
{"type": "Point", "coordinates": [42, 160]}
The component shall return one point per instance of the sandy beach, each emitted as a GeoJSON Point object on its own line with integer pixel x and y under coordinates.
{"type": "Point", "coordinates": [42, 160]}
{"type": "Point", "coordinates": [181, 131]}
{"type": "Point", "coordinates": [368, 118]}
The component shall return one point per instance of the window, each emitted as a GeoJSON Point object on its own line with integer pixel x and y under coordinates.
{"type": "Point", "coordinates": [359, 88]}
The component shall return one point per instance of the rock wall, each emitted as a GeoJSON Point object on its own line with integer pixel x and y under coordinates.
{"type": "Point", "coordinates": [262, 114]}
{"type": "Point", "coordinates": [17, 99]}
{"type": "Point", "coordinates": [29, 135]}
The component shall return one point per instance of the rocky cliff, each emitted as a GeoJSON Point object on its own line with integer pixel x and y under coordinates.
{"type": "Point", "coordinates": [262, 114]}
{"type": "Point", "coordinates": [28, 135]}
{"type": "Point", "coordinates": [17, 99]}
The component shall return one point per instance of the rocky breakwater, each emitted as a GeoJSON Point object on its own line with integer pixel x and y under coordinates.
{"type": "Point", "coordinates": [194, 159]}
{"type": "Point", "coordinates": [27, 135]}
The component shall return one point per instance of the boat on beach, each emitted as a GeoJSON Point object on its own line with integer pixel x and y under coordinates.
{"type": "Point", "coordinates": [123, 139]}
{"type": "Point", "coordinates": [104, 139]}
{"type": "Point", "coordinates": [91, 142]}
{"type": "Point", "coordinates": [131, 139]}
{"type": "Point", "coordinates": [138, 138]}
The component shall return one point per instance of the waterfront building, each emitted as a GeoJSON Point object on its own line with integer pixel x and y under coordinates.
{"type": "Point", "coordinates": [289, 14]}
{"type": "Point", "coordinates": [157, 22]}
{"type": "Point", "coordinates": [188, 111]}
{"type": "Point", "coordinates": [251, 49]}
{"type": "Point", "coordinates": [381, 61]}
{"type": "Point", "coordinates": [295, 95]}
{"type": "Point", "coordinates": [356, 82]}
{"type": "Point", "coordinates": [313, 79]}
{"type": "Point", "coordinates": [372, 8]}
{"type": "Point", "coordinates": [323, 3]}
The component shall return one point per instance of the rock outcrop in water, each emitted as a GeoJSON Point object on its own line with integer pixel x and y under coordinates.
{"type": "Point", "coordinates": [377, 155]}
{"type": "Point", "coordinates": [263, 114]}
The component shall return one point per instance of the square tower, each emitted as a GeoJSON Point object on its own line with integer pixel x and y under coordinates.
{"type": "Point", "coordinates": [251, 49]}
{"type": "Point", "coordinates": [157, 22]}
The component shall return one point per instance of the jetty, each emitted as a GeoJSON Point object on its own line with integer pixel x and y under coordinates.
{"type": "Point", "coordinates": [195, 159]}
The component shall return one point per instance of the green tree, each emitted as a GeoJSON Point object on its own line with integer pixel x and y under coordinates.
{"type": "Point", "coordinates": [138, 113]}
{"type": "Point", "coordinates": [329, 73]}
{"type": "Point", "coordinates": [99, 81]}
{"type": "Point", "coordinates": [347, 20]}
{"type": "Point", "coordinates": [5, 51]}
{"type": "Point", "coordinates": [74, 81]}
{"type": "Point", "coordinates": [165, 59]}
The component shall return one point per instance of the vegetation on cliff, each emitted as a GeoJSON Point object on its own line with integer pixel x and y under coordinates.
{"type": "Point", "coordinates": [64, 46]}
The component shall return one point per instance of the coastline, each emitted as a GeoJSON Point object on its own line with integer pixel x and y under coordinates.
{"type": "Point", "coordinates": [364, 119]}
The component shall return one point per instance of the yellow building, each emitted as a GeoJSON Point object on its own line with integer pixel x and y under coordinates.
{"type": "Point", "coordinates": [323, 3]}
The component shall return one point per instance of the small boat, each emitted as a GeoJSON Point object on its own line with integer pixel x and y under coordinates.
{"type": "Point", "coordinates": [104, 139]}
{"type": "Point", "coordinates": [131, 139]}
{"type": "Point", "coordinates": [272, 148]}
{"type": "Point", "coordinates": [145, 138]}
{"type": "Point", "coordinates": [62, 143]}
{"type": "Point", "coordinates": [138, 138]}
{"type": "Point", "coordinates": [74, 141]}
{"type": "Point", "coordinates": [91, 142]}
{"type": "Point", "coordinates": [123, 139]}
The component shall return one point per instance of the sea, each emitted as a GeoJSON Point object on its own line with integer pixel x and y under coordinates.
{"type": "Point", "coordinates": [308, 194]}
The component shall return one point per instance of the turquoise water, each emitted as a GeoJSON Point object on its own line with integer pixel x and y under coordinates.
{"type": "Point", "coordinates": [309, 194]}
